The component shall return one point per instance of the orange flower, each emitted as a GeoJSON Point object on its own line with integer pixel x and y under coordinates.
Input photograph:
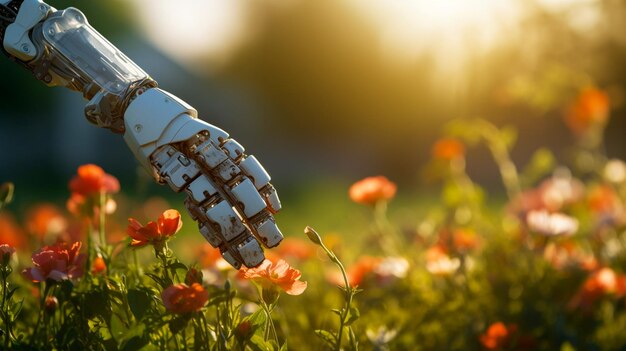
{"type": "Point", "coordinates": [181, 298]}
{"type": "Point", "coordinates": [279, 274]}
{"type": "Point", "coordinates": [87, 187]}
{"type": "Point", "coordinates": [11, 233]}
{"type": "Point", "coordinates": [296, 248]}
{"type": "Point", "coordinates": [92, 180]}
{"type": "Point", "coordinates": [168, 224]}
{"type": "Point", "coordinates": [358, 272]}
{"type": "Point", "coordinates": [363, 266]}
{"type": "Point", "coordinates": [603, 281]}
{"type": "Point", "coordinates": [439, 263]}
{"type": "Point", "coordinates": [590, 108]}
{"type": "Point", "coordinates": [44, 219]}
{"type": "Point", "coordinates": [58, 262]}
{"type": "Point", "coordinates": [465, 239]}
{"type": "Point", "coordinates": [208, 255]}
{"type": "Point", "coordinates": [371, 190]}
{"type": "Point", "coordinates": [448, 149]}
{"type": "Point", "coordinates": [98, 266]}
{"type": "Point", "coordinates": [603, 199]}
{"type": "Point", "coordinates": [498, 336]}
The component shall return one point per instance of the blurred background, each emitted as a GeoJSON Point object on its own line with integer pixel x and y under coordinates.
{"type": "Point", "coordinates": [328, 92]}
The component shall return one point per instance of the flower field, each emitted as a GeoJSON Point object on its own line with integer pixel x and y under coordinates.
{"type": "Point", "coordinates": [544, 268]}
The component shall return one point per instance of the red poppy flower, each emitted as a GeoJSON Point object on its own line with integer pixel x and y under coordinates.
{"type": "Point", "coordinates": [92, 180]}
{"type": "Point", "coordinates": [279, 274]}
{"type": "Point", "coordinates": [181, 298]}
{"type": "Point", "coordinates": [371, 190]}
{"type": "Point", "coordinates": [87, 187]}
{"type": "Point", "coordinates": [57, 262]}
{"type": "Point", "coordinates": [168, 224]}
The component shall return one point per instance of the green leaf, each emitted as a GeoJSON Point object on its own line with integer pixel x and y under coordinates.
{"type": "Point", "coordinates": [258, 343]}
{"type": "Point", "coordinates": [469, 131]}
{"type": "Point", "coordinates": [178, 323]}
{"type": "Point", "coordinates": [328, 337]}
{"type": "Point", "coordinates": [177, 266]}
{"type": "Point", "coordinates": [508, 136]}
{"type": "Point", "coordinates": [6, 194]}
{"type": "Point", "coordinates": [97, 303]}
{"type": "Point", "coordinates": [217, 299]}
{"type": "Point", "coordinates": [11, 292]}
{"type": "Point", "coordinates": [134, 343]}
{"type": "Point", "coordinates": [118, 329]}
{"type": "Point", "coordinates": [258, 318]}
{"type": "Point", "coordinates": [353, 315]}
{"type": "Point", "coordinates": [157, 279]}
{"type": "Point", "coordinates": [284, 347]}
{"type": "Point", "coordinates": [541, 163]}
{"type": "Point", "coordinates": [140, 302]}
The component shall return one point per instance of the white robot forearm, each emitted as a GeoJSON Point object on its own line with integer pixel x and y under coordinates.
{"type": "Point", "coordinates": [229, 193]}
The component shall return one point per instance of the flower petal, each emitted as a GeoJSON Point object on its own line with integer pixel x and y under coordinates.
{"type": "Point", "coordinates": [169, 223]}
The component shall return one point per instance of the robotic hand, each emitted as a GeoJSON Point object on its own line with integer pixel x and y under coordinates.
{"type": "Point", "coordinates": [228, 192]}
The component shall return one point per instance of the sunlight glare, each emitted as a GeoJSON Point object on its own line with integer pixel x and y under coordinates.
{"type": "Point", "coordinates": [408, 28]}
{"type": "Point", "coordinates": [190, 29]}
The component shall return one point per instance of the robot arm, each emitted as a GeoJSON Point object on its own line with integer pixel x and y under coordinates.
{"type": "Point", "coordinates": [228, 192]}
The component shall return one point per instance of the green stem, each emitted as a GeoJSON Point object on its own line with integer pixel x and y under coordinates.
{"type": "Point", "coordinates": [42, 305]}
{"type": "Point", "coordinates": [101, 227]}
{"type": "Point", "coordinates": [89, 247]}
{"type": "Point", "coordinates": [5, 313]}
{"type": "Point", "coordinates": [162, 255]}
{"type": "Point", "coordinates": [349, 291]}
{"type": "Point", "coordinates": [389, 238]}
{"type": "Point", "coordinates": [500, 153]}
{"type": "Point", "coordinates": [185, 338]}
{"type": "Point", "coordinates": [349, 294]}
{"type": "Point", "coordinates": [269, 323]}
{"type": "Point", "coordinates": [205, 324]}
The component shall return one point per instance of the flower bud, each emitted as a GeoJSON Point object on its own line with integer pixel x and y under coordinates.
{"type": "Point", "coordinates": [313, 236]}
{"type": "Point", "coordinates": [193, 276]}
{"type": "Point", "coordinates": [244, 329]}
{"type": "Point", "coordinates": [270, 295]}
{"type": "Point", "coordinates": [51, 304]}
{"type": "Point", "coordinates": [6, 252]}
{"type": "Point", "coordinates": [99, 266]}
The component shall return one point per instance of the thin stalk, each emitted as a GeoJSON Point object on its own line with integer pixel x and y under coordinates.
{"type": "Point", "coordinates": [89, 246]}
{"type": "Point", "coordinates": [349, 293]}
{"type": "Point", "coordinates": [269, 323]}
{"type": "Point", "coordinates": [42, 304]}
{"type": "Point", "coordinates": [101, 227]}
{"type": "Point", "coordinates": [500, 153]}
{"type": "Point", "coordinates": [387, 235]}
{"type": "Point", "coordinates": [5, 314]}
